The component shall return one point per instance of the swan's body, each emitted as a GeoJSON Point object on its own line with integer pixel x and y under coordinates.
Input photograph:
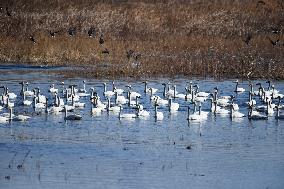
{"type": "Point", "coordinates": [52, 89]}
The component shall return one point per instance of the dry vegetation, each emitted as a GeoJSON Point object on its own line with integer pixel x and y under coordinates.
{"type": "Point", "coordinates": [174, 37]}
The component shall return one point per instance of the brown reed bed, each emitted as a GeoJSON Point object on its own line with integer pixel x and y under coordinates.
{"type": "Point", "coordinates": [187, 38]}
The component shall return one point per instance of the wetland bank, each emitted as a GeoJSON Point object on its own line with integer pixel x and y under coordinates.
{"type": "Point", "coordinates": [134, 38]}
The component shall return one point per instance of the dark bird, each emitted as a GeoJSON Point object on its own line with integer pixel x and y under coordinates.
{"type": "Point", "coordinates": [137, 56]}
{"type": "Point", "coordinates": [52, 33]}
{"type": "Point", "coordinates": [101, 40]}
{"type": "Point", "coordinates": [32, 39]}
{"type": "Point", "coordinates": [106, 51]}
{"type": "Point", "coordinates": [259, 3]}
{"type": "Point", "coordinates": [275, 30]}
{"type": "Point", "coordinates": [72, 31]}
{"type": "Point", "coordinates": [248, 38]}
{"type": "Point", "coordinates": [273, 42]}
{"type": "Point", "coordinates": [129, 53]}
{"type": "Point", "coordinates": [92, 32]}
{"type": "Point", "coordinates": [8, 12]}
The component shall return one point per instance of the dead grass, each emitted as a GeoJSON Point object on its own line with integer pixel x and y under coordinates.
{"type": "Point", "coordinates": [192, 38]}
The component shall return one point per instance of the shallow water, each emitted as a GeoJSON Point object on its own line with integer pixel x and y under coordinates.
{"type": "Point", "coordinates": [105, 152]}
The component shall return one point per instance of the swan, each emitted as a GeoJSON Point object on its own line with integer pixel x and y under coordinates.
{"type": "Point", "coordinates": [251, 101]}
{"type": "Point", "coordinates": [234, 113]}
{"type": "Point", "coordinates": [278, 115]}
{"type": "Point", "coordinates": [38, 105]}
{"type": "Point", "coordinates": [72, 116]}
{"type": "Point", "coordinates": [107, 94]}
{"type": "Point", "coordinates": [254, 115]}
{"type": "Point", "coordinates": [220, 111]}
{"type": "Point", "coordinates": [12, 96]}
{"type": "Point", "coordinates": [84, 88]}
{"type": "Point", "coordinates": [150, 89]}
{"type": "Point", "coordinates": [160, 101]}
{"type": "Point", "coordinates": [121, 99]}
{"type": "Point", "coordinates": [27, 92]}
{"type": "Point", "coordinates": [171, 92]}
{"type": "Point", "coordinates": [239, 89]}
{"type": "Point", "coordinates": [126, 116]}
{"type": "Point", "coordinates": [142, 113]}
{"type": "Point", "coordinates": [132, 94]}
{"type": "Point", "coordinates": [196, 116]}
{"type": "Point", "coordinates": [26, 102]}
{"type": "Point", "coordinates": [173, 106]}
{"type": "Point", "coordinates": [114, 109]}
{"type": "Point", "coordinates": [114, 89]}
{"type": "Point", "coordinates": [18, 117]}
{"type": "Point", "coordinates": [3, 119]}
{"type": "Point", "coordinates": [52, 89]}
{"type": "Point", "coordinates": [40, 98]}
{"type": "Point", "coordinates": [158, 115]}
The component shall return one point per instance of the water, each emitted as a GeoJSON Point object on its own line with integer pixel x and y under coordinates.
{"type": "Point", "coordinates": [105, 152]}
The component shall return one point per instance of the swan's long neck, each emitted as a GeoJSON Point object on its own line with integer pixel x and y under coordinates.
{"type": "Point", "coordinates": [277, 112]}
{"type": "Point", "coordinates": [249, 112]}
{"type": "Point", "coordinates": [231, 110]}
{"type": "Point", "coordinates": [145, 87]}
{"type": "Point", "coordinates": [164, 93]}
{"type": "Point", "coordinates": [108, 104]}
{"type": "Point", "coordinates": [199, 110]}
{"type": "Point", "coordinates": [11, 111]}
{"type": "Point", "coordinates": [84, 86]}
{"type": "Point", "coordinates": [115, 97]}
{"type": "Point", "coordinates": [65, 115]}
{"type": "Point", "coordinates": [215, 107]}
{"type": "Point", "coordinates": [188, 112]}
{"type": "Point", "coordinates": [237, 84]}
{"type": "Point", "coordinates": [136, 101]}
{"type": "Point", "coordinates": [113, 87]}
{"type": "Point", "coordinates": [104, 87]}
{"type": "Point", "coordinates": [22, 90]}
{"type": "Point", "coordinates": [151, 93]}
{"type": "Point", "coordinates": [119, 114]}
{"type": "Point", "coordinates": [129, 97]}
{"type": "Point", "coordinates": [156, 110]}
{"type": "Point", "coordinates": [174, 91]}
{"type": "Point", "coordinates": [170, 104]}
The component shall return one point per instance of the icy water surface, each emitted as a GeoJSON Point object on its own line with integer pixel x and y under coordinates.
{"type": "Point", "coordinates": [105, 152]}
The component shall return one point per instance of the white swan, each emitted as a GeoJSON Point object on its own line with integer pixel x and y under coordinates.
{"type": "Point", "coordinates": [25, 101]}
{"type": "Point", "coordinates": [235, 114]}
{"type": "Point", "coordinates": [173, 106]}
{"type": "Point", "coordinates": [158, 115]}
{"type": "Point", "coordinates": [278, 115]}
{"type": "Point", "coordinates": [17, 117]}
{"type": "Point", "coordinates": [126, 116]}
{"type": "Point", "coordinates": [150, 89]}
{"type": "Point", "coordinates": [107, 94]}
{"type": "Point", "coordinates": [239, 89]}
{"type": "Point", "coordinates": [52, 89]}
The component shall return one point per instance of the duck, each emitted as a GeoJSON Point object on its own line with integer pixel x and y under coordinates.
{"type": "Point", "coordinates": [239, 89]}
{"type": "Point", "coordinates": [71, 116]}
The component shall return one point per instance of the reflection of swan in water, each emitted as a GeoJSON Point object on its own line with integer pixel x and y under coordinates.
{"type": "Point", "coordinates": [126, 116]}
{"type": "Point", "coordinates": [18, 117]}
{"type": "Point", "coordinates": [72, 116]}
{"type": "Point", "coordinates": [254, 115]}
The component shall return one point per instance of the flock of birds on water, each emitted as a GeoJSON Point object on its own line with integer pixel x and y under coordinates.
{"type": "Point", "coordinates": [262, 103]}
